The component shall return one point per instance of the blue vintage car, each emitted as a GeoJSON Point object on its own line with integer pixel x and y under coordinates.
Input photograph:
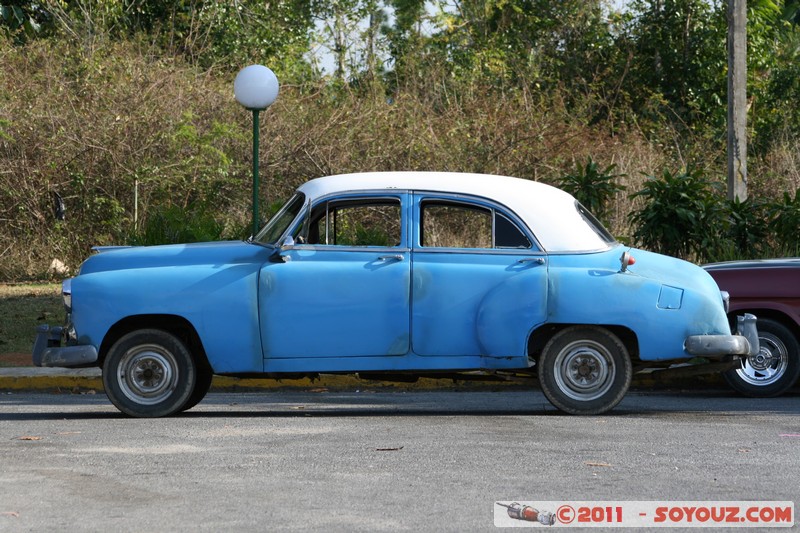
{"type": "Point", "coordinates": [394, 276]}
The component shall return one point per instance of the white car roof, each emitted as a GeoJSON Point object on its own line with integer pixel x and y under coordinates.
{"type": "Point", "coordinates": [550, 213]}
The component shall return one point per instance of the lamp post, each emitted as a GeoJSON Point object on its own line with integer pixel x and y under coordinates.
{"type": "Point", "coordinates": [255, 87]}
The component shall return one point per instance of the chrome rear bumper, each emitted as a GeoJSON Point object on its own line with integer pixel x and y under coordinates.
{"type": "Point", "coordinates": [744, 342]}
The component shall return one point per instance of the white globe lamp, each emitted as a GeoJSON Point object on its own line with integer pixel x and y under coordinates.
{"type": "Point", "coordinates": [256, 88]}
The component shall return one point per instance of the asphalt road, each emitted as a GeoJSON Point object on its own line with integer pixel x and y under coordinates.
{"type": "Point", "coordinates": [377, 461]}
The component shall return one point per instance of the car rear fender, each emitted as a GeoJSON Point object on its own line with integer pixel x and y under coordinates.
{"type": "Point", "coordinates": [660, 312]}
{"type": "Point", "coordinates": [542, 334]}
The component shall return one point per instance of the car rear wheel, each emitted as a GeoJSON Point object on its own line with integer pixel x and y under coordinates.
{"type": "Point", "coordinates": [149, 373]}
{"type": "Point", "coordinates": [585, 370]}
{"type": "Point", "coordinates": [774, 369]}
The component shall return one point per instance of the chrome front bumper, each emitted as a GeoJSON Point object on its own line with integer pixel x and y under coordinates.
{"type": "Point", "coordinates": [744, 342]}
{"type": "Point", "coordinates": [47, 350]}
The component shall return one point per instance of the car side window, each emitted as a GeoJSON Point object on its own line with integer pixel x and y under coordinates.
{"type": "Point", "coordinates": [461, 225]}
{"type": "Point", "coordinates": [356, 222]}
{"type": "Point", "coordinates": [455, 226]}
{"type": "Point", "coordinates": [507, 234]}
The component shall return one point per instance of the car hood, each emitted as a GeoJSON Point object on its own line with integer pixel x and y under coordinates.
{"type": "Point", "coordinates": [138, 257]}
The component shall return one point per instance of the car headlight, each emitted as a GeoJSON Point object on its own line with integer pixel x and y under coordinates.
{"type": "Point", "coordinates": [66, 294]}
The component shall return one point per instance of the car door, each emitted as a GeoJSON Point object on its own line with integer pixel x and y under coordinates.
{"type": "Point", "coordinates": [342, 290]}
{"type": "Point", "coordinates": [479, 279]}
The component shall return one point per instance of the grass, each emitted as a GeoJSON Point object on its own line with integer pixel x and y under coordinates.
{"type": "Point", "coordinates": [22, 308]}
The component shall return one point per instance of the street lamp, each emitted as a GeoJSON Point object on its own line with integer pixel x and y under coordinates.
{"type": "Point", "coordinates": [255, 87]}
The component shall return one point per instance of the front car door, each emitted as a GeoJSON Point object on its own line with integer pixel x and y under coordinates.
{"type": "Point", "coordinates": [343, 290]}
{"type": "Point", "coordinates": [479, 279]}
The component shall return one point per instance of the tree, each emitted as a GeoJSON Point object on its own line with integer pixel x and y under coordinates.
{"type": "Point", "coordinates": [527, 41]}
{"type": "Point", "coordinates": [676, 57]}
{"type": "Point", "coordinates": [224, 33]}
{"type": "Point", "coordinates": [405, 35]}
{"type": "Point", "coordinates": [349, 29]}
{"type": "Point", "coordinates": [23, 20]}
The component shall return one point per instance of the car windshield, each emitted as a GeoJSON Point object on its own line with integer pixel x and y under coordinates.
{"type": "Point", "coordinates": [279, 223]}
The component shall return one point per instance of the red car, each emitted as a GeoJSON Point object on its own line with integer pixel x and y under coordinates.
{"type": "Point", "coordinates": [769, 289]}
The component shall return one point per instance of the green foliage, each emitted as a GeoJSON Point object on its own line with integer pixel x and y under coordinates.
{"type": "Point", "coordinates": [683, 216]}
{"type": "Point", "coordinates": [675, 59]}
{"type": "Point", "coordinates": [175, 225]}
{"type": "Point", "coordinates": [234, 33]}
{"type": "Point", "coordinates": [748, 229]}
{"type": "Point", "coordinates": [125, 109]}
{"type": "Point", "coordinates": [526, 41]}
{"type": "Point", "coordinates": [205, 169]}
{"type": "Point", "coordinates": [404, 37]}
{"type": "Point", "coordinates": [778, 115]}
{"type": "Point", "coordinates": [4, 124]}
{"type": "Point", "coordinates": [674, 63]}
{"type": "Point", "coordinates": [23, 21]}
{"type": "Point", "coordinates": [785, 215]}
{"type": "Point", "coordinates": [594, 188]}
{"type": "Point", "coordinates": [227, 34]}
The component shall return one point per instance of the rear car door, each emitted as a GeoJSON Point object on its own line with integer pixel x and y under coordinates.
{"type": "Point", "coordinates": [479, 278]}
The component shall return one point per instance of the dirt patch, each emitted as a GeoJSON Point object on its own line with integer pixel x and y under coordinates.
{"type": "Point", "coordinates": [15, 359]}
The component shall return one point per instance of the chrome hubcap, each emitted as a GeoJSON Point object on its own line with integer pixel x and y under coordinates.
{"type": "Point", "coordinates": [584, 370]}
{"type": "Point", "coordinates": [147, 374]}
{"type": "Point", "coordinates": [768, 365]}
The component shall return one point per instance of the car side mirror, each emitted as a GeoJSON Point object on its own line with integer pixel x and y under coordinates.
{"type": "Point", "coordinates": [288, 243]}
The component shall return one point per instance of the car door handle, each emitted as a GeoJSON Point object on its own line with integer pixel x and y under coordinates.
{"type": "Point", "coordinates": [537, 260]}
{"type": "Point", "coordinates": [395, 257]}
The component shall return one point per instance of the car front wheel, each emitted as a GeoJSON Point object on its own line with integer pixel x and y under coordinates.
{"type": "Point", "coordinates": [776, 366]}
{"type": "Point", "coordinates": [149, 373]}
{"type": "Point", "coordinates": [201, 386]}
{"type": "Point", "coordinates": [585, 370]}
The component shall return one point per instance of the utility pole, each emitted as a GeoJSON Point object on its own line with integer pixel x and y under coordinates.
{"type": "Point", "coordinates": [737, 100]}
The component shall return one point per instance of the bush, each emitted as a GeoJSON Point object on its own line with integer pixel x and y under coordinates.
{"type": "Point", "coordinates": [748, 229]}
{"type": "Point", "coordinates": [96, 126]}
{"type": "Point", "coordinates": [785, 219]}
{"type": "Point", "coordinates": [174, 225]}
{"type": "Point", "coordinates": [683, 216]}
{"type": "Point", "coordinates": [594, 188]}
{"type": "Point", "coordinates": [131, 138]}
